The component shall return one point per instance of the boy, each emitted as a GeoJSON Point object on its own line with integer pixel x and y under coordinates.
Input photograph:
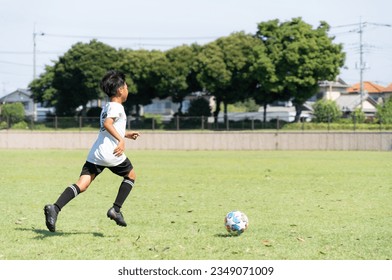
{"type": "Point", "coordinates": [107, 152]}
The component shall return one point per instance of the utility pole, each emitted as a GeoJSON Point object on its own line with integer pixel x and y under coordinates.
{"type": "Point", "coordinates": [362, 64]}
{"type": "Point", "coordinates": [35, 50]}
{"type": "Point", "coordinates": [34, 66]}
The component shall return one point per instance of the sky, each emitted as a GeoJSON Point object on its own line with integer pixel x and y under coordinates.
{"type": "Point", "coordinates": [56, 25]}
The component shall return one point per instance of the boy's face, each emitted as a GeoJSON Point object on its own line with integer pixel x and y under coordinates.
{"type": "Point", "coordinates": [123, 91]}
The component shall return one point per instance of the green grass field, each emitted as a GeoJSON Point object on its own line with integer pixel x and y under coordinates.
{"type": "Point", "coordinates": [301, 206]}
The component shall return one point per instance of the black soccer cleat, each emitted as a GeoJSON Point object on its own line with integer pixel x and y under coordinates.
{"type": "Point", "coordinates": [50, 217]}
{"type": "Point", "coordinates": [117, 216]}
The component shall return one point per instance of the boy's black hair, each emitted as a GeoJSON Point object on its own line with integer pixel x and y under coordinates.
{"type": "Point", "coordinates": [112, 81]}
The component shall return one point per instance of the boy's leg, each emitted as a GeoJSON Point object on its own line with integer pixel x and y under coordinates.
{"type": "Point", "coordinates": [123, 192]}
{"type": "Point", "coordinates": [88, 174]}
{"type": "Point", "coordinates": [52, 210]}
{"type": "Point", "coordinates": [125, 169]}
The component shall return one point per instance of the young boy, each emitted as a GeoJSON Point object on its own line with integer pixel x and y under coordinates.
{"type": "Point", "coordinates": [107, 152]}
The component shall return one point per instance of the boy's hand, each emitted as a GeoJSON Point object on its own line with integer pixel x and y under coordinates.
{"type": "Point", "coordinates": [119, 150]}
{"type": "Point", "coordinates": [132, 135]}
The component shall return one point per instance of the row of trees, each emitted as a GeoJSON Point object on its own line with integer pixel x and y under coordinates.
{"type": "Point", "coordinates": [281, 61]}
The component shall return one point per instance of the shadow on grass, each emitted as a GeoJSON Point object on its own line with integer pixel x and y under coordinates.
{"type": "Point", "coordinates": [225, 235]}
{"type": "Point", "coordinates": [44, 233]}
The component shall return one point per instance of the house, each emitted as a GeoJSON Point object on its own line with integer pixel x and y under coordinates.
{"type": "Point", "coordinates": [23, 96]}
{"type": "Point", "coordinates": [348, 103]}
{"type": "Point", "coordinates": [167, 108]}
{"type": "Point", "coordinates": [348, 98]}
{"type": "Point", "coordinates": [387, 92]}
{"type": "Point", "coordinates": [330, 90]}
{"type": "Point", "coordinates": [375, 91]}
{"type": "Point", "coordinates": [31, 109]}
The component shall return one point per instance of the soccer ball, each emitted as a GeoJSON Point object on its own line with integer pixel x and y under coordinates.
{"type": "Point", "coordinates": [236, 222]}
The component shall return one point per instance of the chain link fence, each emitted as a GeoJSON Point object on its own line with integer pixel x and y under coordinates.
{"type": "Point", "coordinates": [178, 123]}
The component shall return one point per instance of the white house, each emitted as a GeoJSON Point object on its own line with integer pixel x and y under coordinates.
{"type": "Point", "coordinates": [31, 109]}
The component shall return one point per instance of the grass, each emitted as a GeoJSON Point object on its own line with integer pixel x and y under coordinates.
{"type": "Point", "coordinates": [301, 206]}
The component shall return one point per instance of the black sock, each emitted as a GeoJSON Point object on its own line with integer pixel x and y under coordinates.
{"type": "Point", "coordinates": [123, 192]}
{"type": "Point", "coordinates": [69, 193]}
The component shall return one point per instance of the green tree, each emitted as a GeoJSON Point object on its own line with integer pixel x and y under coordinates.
{"type": "Point", "coordinates": [77, 75]}
{"type": "Point", "coordinates": [42, 88]}
{"type": "Point", "coordinates": [224, 69]}
{"type": "Point", "coordinates": [182, 80]}
{"type": "Point", "coordinates": [326, 111]}
{"type": "Point", "coordinates": [302, 56]}
{"type": "Point", "coordinates": [199, 107]}
{"type": "Point", "coordinates": [149, 71]}
{"type": "Point", "coordinates": [13, 112]}
{"type": "Point", "coordinates": [384, 112]}
{"type": "Point", "coordinates": [248, 105]}
{"type": "Point", "coordinates": [358, 116]}
{"type": "Point", "coordinates": [266, 86]}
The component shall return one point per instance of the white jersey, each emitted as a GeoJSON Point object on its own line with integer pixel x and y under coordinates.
{"type": "Point", "coordinates": [101, 152]}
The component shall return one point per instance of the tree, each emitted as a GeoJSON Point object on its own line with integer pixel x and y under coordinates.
{"type": "Point", "coordinates": [266, 86]}
{"type": "Point", "coordinates": [224, 69]}
{"type": "Point", "coordinates": [384, 112]}
{"type": "Point", "coordinates": [358, 116]}
{"type": "Point", "coordinates": [42, 88]}
{"type": "Point", "coordinates": [149, 71]}
{"type": "Point", "coordinates": [302, 56]}
{"type": "Point", "coordinates": [182, 80]}
{"type": "Point", "coordinates": [13, 112]}
{"type": "Point", "coordinates": [199, 107]}
{"type": "Point", "coordinates": [326, 111]}
{"type": "Point", "coordinates": [77, 75]}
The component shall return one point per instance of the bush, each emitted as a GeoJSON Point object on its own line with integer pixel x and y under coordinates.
{"type": "Point", "coordinates": [3, 125]}
{"type": "Point", "coordinates": [21, 125]}
{"type": "Point", "coordinates": [358, 116]}
{"type": "Point", "coordinates": [13, 112]}
{"type": "Point", "coordinates": [199, 107]}
{"type": "Point", "coordinates": [326, 111]}
{"type": "Point", "coordinates": [384, 112]}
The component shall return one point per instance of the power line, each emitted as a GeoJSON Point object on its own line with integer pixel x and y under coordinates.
{"type": "Point", "coordinates": [15, 63]}
{"type": "Point", "coordinates": [360, 30]}
{"type": "Point", "coordinates": [131, 38]}
{"type": "Point", "coordinates": [30, 53]}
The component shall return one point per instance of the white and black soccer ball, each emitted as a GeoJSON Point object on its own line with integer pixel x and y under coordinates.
{"type": "Point", "coordinates": [236, 222]}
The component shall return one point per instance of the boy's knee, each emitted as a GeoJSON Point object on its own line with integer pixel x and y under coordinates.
{"type": "Point", "coordinates": [132, 175]}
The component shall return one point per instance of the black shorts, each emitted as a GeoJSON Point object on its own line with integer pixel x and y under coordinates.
{"type": "Point", "coordinates": [122, 169]}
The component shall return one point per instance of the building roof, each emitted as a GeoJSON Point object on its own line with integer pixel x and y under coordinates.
{"type": "Point", "coordinates": [350, 102]}
{"type": "Point", "coordinates": [339, 83]}
{"type": "Point", "coordinates": [388, 88]}
{"type": "Point", "coordinates": [19, 95]}
{"type": "Point", "coordinates": [368, 87]}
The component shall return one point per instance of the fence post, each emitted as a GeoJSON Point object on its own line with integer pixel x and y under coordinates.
{"type": "Point", "coordinates": [202, 122]}
{"type": "Point", "coordinates": [80, 123]}
{"type": "Point", "coordinates": [55, 122]}
{"type": "Point", "coordinates": [153, 123]}
{"type": "Point", "coordinates": [178, 122]}
{"type": "Point", "coordinates": [32, 123]}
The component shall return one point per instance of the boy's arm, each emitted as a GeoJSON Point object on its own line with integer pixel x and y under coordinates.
{"type": "Point", "coordinates": [132, 135]}
{"type": "Point", "coordinates": [108, 125]}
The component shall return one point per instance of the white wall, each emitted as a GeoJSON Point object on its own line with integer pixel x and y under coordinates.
{"type": "Point", "coordinates": [377, 141]}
